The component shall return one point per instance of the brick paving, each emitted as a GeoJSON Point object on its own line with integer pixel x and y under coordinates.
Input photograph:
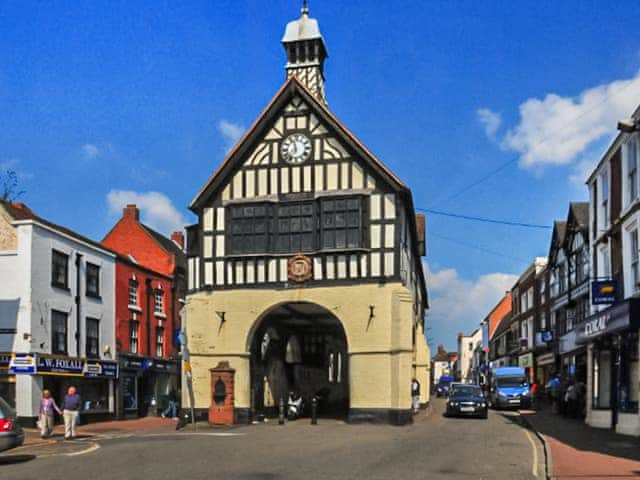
{"type": "Point", "coordinates": [582, 452]}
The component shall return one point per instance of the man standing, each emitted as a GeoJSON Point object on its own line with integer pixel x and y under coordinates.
{"type": "Point", "coordinates": [415, 395]}
{"type": "Point", "coordinates": [70, 409]}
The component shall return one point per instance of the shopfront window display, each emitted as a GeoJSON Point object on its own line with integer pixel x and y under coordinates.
{"type": "Point", "coordinates": [94, 392]}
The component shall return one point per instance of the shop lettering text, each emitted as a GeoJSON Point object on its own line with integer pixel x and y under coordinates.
{"type": "Point", "coordinates": [596, 325]}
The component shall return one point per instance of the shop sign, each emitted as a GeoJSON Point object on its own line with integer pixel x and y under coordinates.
{"type": "Point", "coordinates": [617, 317]}
{"type": "Point", "coordinates": [525, 361]}
{"type": "Point", "coordinates": [133, 363]}
{"type": "Point", "coordinates": [72, 367]}
{"type": "Point", "coordinates": [5, 360]}
{"type": "Point", "coordinates": [547, 336]}
{"type": "Point", "coordinates": [100, 369]}
{"type": "Point", "coordinates": [603, 292]}
{"type": "Point", "coordinates": [23, 363]}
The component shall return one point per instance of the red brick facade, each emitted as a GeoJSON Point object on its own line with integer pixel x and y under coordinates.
{"type": "Point", "coordinates": [143, 316]}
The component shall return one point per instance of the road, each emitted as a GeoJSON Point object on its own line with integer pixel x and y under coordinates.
{"type": "Point", "coordinates": [433, 447]}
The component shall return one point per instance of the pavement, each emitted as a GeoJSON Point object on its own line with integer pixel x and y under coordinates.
{"type": "Point", "coordinates": [433, 447]}
{"type": "Point", "coordinates": [578, 451]}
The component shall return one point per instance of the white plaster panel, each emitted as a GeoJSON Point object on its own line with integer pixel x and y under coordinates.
{"type": "Point", "coordinates": [317, 268]}
{"type": "Point", "coordinates": [251, 272]}
{"type": "Point", "coordinates": [342, 266]}
{"type": "Point", "coordinates": [273, 270]}
{"type": "Point", "coordinates": [283, 270]}
{"type": "Point", "coordinates": [357, 176]}
{"type": "Point", "coordinates": [219, 273]}
{"type": "Point", "coordinates": [250, 183]}
{"type": "Point", "coordinates": [208, 219]}
{"type": "Point", "coordinates": [208, 246]}
{"type": "Point", "coordinates": [273, 173]}
{"type": "Point", "coordinates": [353, 266]}
{"type": "Point", "coordinates": [219, 245]}
{"type": "Point", "coordinates": [220, 218]}
{"type": "Point", "coordinates": [284, 180]}
{"type": "Point", "coordinates": [306, 176]}
{"type": "Point", "coordinates": [375, 236]}
{"type": "Point", "coordinates": [260, 271]}
{"type": "Point", "coordinates": [374, 210]}
{"type": "Point", "coordinates": [208, 273]}
{"type": "Point", "coordinates": [388, 264]}
{"type": "Point", "coordinates": [389, 239]}
{"type": "Point", "coordinates": [295, 179]}
{"type": "Point", "coordinates": [332, 176]}
{"type": "Point", "coordinates": [263, 184]}
{"type": "Point", "coordinates": [375, 264]}
{"type": "Point", "coordinates": [363, 265]}
{"type": "Point", "coordinates": [330, 268]}
{"type": "Point", "coordinates": [389, 206]}
{"type": "Point", "coordinates": [239, 272]}
{"type": "Point", "coordinates": [344, 180]}
{"type": "Point", "coordinates": [237, 185]}
{"type": "Point", "coordinates": [319, 177]}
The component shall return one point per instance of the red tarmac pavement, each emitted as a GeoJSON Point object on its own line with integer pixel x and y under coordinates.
{"type": "Point", "coordinates": [585, 453]}
{"type": "Point", "coordinates": [146, 424]}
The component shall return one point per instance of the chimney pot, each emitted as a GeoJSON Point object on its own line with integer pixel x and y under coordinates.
{"type": "Point", "coordinates": [131, 211]}
{"type": "Point", "coordinates": [178, 237]}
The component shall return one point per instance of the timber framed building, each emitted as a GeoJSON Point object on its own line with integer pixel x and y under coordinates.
{"type": "Point", "coordinates": [305, 268]}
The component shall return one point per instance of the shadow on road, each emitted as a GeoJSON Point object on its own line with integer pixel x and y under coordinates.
{"type": "Point", "coordinates": [576, 434]}
{"type": "Point", "coordinates": [10, 459]}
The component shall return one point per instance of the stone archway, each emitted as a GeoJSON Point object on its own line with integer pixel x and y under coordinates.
{"type": "Point", "coordinates": [299, 347]}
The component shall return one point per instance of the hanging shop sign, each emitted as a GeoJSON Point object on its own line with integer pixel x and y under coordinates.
{"type": "Point", "coordinates": [618, 317]}
{"type": "Point", "coordinates": [603, 292]}
{"type": "Point", "coordinates": [22, 363]}
{"type": "Point", "coordinates": [101, 369]}
{"type": "Point", "coordinates": [526, 360]}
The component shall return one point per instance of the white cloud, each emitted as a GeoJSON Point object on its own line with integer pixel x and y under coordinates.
{"type": "Point", "coordinates": [581, 172]}
{"type": "Point", "coordinates": [231, 132]}
{"type": "Point", "coordinates": [459, 305]}
{"type": "Point", "coordinates": [491, 121]}
{"type": "Point", "coordinates": [156, 209]}
{"type": "Point", "coordinates": [90, 151]}
{"type": "Point", "coordinates": [555, 130]}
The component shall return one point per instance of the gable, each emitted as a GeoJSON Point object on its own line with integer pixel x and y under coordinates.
{"type": "Point", "coordinates": [337, 159]}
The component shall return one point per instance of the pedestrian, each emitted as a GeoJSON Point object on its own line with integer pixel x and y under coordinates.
{"type": "Point", "coordinates": [572, 400]}
{"type": "Point", "coordinates": [47, 408]}
{"type": "Point", "coordinates": [554, 388]}
{"type": "Point", "coordinates": [172, 407]}
{"type": "Point", "coordinates": [534, 394]}
{"type": "Point", "coordinates": [70, 411]}
{"type": "Point", "coordinates": [415, 395]}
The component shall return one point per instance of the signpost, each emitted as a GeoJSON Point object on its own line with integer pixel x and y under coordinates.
{"type": "Point", "coordinates": [603, 292]}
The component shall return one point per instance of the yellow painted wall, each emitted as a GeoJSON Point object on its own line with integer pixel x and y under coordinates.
{"type": "Point", "coordinates": [381, 356]}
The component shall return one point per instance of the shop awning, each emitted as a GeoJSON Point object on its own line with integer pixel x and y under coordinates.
{"type": "Point", "coordinates": [621, 316]}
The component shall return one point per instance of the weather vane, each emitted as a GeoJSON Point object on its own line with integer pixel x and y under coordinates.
{"type": "Point", "coordinates": [305, 7]}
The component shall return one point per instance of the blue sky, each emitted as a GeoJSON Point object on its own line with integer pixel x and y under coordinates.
{"type": "Point", "coordinates": [109, 102]}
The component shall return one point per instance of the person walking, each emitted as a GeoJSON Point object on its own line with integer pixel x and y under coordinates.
{"type": "Point", "coordinates": [534, 394]}
{"type": "Point", "coordinates": [415, 395]}
{"type": "Point", "coordinates": [554, 388]}
{"type": "Point", "coordinates": [70, 410]}
{"type": "Point", "coordinates": [47, 408]}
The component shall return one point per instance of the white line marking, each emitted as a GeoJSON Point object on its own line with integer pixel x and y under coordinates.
{"type": "Point", "coordinates": [92, 448]}
{"type": "Point", "coordinates": [534, 470]}
{"type": "Point", "coordinates": [205, 434]}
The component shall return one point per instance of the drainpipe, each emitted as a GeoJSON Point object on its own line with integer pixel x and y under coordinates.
{"type": "Point", "coordinates": [77, 299]}
{"type": "Point", "coordinates": [148, 283]}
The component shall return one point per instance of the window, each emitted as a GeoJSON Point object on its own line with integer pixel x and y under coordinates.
{"type": "Point", "coordinates": [582, 265]}
{"type": "Point", "coordinates": [552, 321]}
{"type": "Point", "coordinates": [562, 278]}
{"type": "Point", "coordinates": [159, 342]}
{"type": "Point", "coordinates": [341, 223]}
{"type": "Point", "coordinates": [543, 321]}
{"type": "Point", "coordinates": [59, 269]}
{"type": "Point", "coordinates": [543, 291]}
{"type": "Point", "coordinates": [159, 301]}
{"type": "Point", "coordinates": [58, 332]}
{"type": "Point", "coordinates": [93, 338]}
{"type": "Point", "coordinates": [604, 262]}
{"type": "Point", "coordinates": [604, 203]}
{"type": "Point", "coordinates": [295, 228]}
{"type": "Point", "coordinates": [133, 336]}
{"type": "Point", "coordinates": [248, 229]}
{"type": "Point", "coordinates": [327, 223]}
{"type": "Point", "coordinates": [93, 280]}
{"type": "Point", "coordinates": [635, 273]}
{"type": "Point", "coordinates": [133, 293]}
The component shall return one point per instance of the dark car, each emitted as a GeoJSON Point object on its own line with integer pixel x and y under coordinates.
{"type": "Point", "coordinates": [467, 400]}
{"type": "Point", "coordinates": [11, 434]}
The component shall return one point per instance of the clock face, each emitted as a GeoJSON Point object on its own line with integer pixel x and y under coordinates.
{"type": "Point", "coordinates": [296, 148]}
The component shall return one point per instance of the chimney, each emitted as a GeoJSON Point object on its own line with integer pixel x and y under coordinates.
{"type": "Point", "coordinates": [441, 350]}
{"type": "Point", "coordinates": [131, 211]}
{"type": "Point", "coordinates": [178, 237]}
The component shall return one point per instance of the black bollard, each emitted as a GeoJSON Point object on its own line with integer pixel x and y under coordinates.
{"type": "Point", "coordinates": [314, 411]}
{"type": "Point", "coordinates": [281, 412]}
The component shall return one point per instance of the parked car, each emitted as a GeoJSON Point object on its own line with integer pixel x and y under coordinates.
{"type": "Point", "coordinates": [11, 434]}
{"type": "Point", "coordinates": [509, 388]}
{"type": "Point", "coordinates": [442, 390]}
{"type": "Point", "coordinates": [466, 400]}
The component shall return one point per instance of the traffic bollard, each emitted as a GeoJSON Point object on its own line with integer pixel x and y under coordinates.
{"type": "Point", "coordinates": [314, 411]}
{"type": "Point", "coordinates": [281, 412]}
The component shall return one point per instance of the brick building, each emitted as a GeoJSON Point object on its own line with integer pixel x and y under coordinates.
{"type": "Point", "coordinates": [149, 286]}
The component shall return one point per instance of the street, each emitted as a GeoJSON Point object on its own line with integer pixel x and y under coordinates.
{"type": "Point", "coordinates": [433, 447]}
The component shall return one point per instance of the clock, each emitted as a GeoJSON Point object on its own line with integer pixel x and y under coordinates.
{"type": "Point", "coordinates": [296, 148]}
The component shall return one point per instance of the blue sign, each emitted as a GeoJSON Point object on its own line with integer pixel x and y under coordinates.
{"type": "Point", "coordinates": [23, 363]}
{"type": "Point", "coordinates": [101, 369]}
{"type": "Point", "coordinates": [51, 365]}
{"type": "Point", "coordinates": [603, 292]}
{"type": "Point", "coordinates": [547, 336]}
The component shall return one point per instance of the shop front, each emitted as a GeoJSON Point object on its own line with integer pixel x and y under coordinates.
{"type": "Point", "coordinates": [612, 339]}
{"type": "Point", "coordinates": [526, 361]}
{"type": "Point", "coordinates": [7, 381]}
{"type": "Point", "coordinates": [31, 373]}
{"type": "Point", "coordinates": [545, 367]}
{"type": "Point", "coordinates": [146, 385]}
